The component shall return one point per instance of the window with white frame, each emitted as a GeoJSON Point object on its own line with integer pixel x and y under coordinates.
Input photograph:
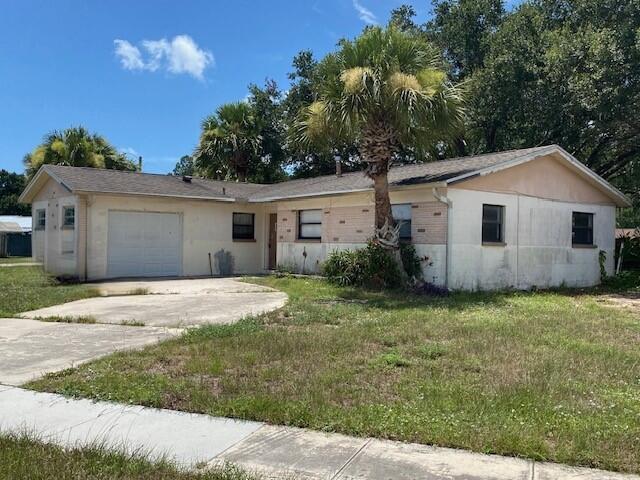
{"type": "Point", "coordinates": [309, 224]}
{"type": "Point", "coordinates": [582, 228]}
{"type": "Point", "coordinates": [41, 219]}
{"type": "Point", "coordinates": [68, 217]}
{"type": "Point", "coordinates": [492, 224]}
{"type": "Point", "coordinates": [243, 226]}
{"type": "Point", "coordinates": [402, 215]}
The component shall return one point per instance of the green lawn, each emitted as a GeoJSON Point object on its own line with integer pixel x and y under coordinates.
{"type": "Point", "coordinates": [547, 375]}
{"type": "Point", "coordinates": [22, 457]}
{"type": "Point", "coordinates": [28, 288]}
{"type": "Point", "coordinates": [16, 260]}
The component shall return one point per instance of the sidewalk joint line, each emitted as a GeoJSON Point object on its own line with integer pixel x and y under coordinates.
{"type": "Point", "coordinates": [533, 469]}
{"type": "Point", "coordinates": [263, 425]}
{"type": "Point", "coordinates": [341, 469]}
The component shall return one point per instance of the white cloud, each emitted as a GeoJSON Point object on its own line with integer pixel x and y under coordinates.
{"type": "Point", "coordinates": [364, 13]}
{"type": "Point", "coordinates": [178, 55]}
{"type": "Point", "coordinates": [129, 55]}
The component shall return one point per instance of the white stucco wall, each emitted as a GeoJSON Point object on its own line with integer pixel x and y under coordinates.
{"type": "Point", "coordinates": [50, 245]}
{"type": "Point", "coordinates": [538, 250]}
{"type": "Point", "coordinates": [207, 228]}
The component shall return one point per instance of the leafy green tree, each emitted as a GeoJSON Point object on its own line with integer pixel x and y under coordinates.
{"type": "Point", "coordinates": [385, 91]}
{"type": "Point", "coordinates": [462, 29]}
{"type": "Point", "coordinates": [185, 166]}
{"type": "Point", "coordinates": [76, 147]}
{"type": "Point", "coordinates": [11, 186]}
{"type": "Point", "coordinates": [230, 143]}
{"type": "Point", "coordinates": [267, 106]}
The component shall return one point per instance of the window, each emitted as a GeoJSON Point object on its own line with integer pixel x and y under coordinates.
{"type": "Point", "coordinates": [243, 226]}
{"type": "Point", "coordinates": [402, 214]}
{"type": "Point", "coordinates": [309, 224]}
{"type": "Point", "coordinates": [492, 224]}
{"type": "Point", "coordinates": [68, 217]}
{"type": "Point", "coordinates": [41, 219]}
{"type": "Point", "coordinates": [582, 228]}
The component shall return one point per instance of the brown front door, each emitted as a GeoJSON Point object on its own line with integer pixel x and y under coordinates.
{"type": "Point", "coordinates": [273, 240]}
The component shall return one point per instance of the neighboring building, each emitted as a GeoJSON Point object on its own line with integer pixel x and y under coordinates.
{"type": "Point", "coordinates": [518, 219]}
{"type": "Point", "coordinates": [15, 236]}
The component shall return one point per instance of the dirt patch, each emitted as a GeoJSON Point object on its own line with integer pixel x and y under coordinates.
{"type": "Point", "coordinates": [628, 301]}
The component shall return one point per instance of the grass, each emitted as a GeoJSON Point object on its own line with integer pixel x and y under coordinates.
{"type": "Point", "coordinates": [56, 319]}
{"type": "Point", "coordinates": [23, 457]}
{"type": "Point", "coordinates": [28, 288]}
{"type": "Point", "coordinates": [546, 375]}
{"type": "Point", "coordinates": [16, 260]}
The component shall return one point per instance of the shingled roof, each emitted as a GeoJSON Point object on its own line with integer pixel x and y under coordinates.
{"type": "Point", "coordinates": [92, 180]}
{"type": "Point", "coordinates": [398, 176]}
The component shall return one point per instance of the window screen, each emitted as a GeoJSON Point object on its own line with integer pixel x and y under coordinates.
{"type": "Point", "coordinates": [69, 214]}
{"type": "Point", "coordinates": [492, 224]}
{"type": "Point", "coordinates": [41, 219]}
{"type": "Point", "coordinates": [243, 226]}
{"type": "Point", "coordinates": [582, 231]}
{"type": "Point", "coordinates": [310, 224]}
{"type": "Point", "coordinates": [402, 214]}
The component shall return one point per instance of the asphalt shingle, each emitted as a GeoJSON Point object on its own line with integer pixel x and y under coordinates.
{"type": "Point", "coordinates": [79, 179]}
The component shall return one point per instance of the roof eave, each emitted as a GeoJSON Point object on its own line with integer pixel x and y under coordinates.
{"type": "Point", "coordinates": [30, 190]}
{"type": "Point", "coordinates": [621, 200]}
{"type": "Point", "coordinates": [344, 192]}
{"type": "Point", "coordinates": [138, 194]}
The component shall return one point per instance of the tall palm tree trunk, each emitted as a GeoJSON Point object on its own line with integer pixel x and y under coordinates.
{"type": "Point", "coordinates": [377, 147]}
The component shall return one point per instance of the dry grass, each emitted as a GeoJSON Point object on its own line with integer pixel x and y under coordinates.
{"type": "Point", "coordinates": [547, 375]}
{"type": "Point", "coordinates": [23, 457]}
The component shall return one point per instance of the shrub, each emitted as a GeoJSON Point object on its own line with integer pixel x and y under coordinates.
{"type": "Point", "coordinates": [411, 262]}
{"type": "Point", "coordinates": [370, 267]}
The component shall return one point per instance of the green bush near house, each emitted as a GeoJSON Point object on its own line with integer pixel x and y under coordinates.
{"type": "Point", "coordinates": [371, 267]}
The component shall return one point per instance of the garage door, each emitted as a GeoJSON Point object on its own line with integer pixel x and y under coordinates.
{"type": "Point", "coordinates": [143, 244]}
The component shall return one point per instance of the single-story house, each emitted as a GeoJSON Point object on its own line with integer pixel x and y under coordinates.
{"type": "Point", "coordinates": [15, 236]}
{"type": "Point", "coordinates": [527, 218]}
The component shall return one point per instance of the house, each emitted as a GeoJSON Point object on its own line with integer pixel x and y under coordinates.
{"type": "Point", "coordinates": [15, 236]}
{"type": "Point", "coordinates": [520, 219]}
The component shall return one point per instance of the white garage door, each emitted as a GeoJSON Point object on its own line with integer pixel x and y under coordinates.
{"type": "Point", "coordinates": [143, 244]}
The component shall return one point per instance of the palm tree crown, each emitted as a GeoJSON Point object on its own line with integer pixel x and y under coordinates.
{"type": "Point", "coordinates": [385, 90]}
{"type": "Point", "coordinates": [229, 143]}
{"type": "Point", "coordinates": [76, 147]}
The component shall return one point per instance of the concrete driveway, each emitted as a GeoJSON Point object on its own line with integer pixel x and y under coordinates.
{"type": "Point", "coordinates": [170, 303]}
{"type": "Point", "coordinates": [29, 349]}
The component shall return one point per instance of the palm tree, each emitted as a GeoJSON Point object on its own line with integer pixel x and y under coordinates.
{"type": "Point", "coordinates": [386, 91]}
{"type": "Point", "coordinates": [229, 143]}
{"type": "Point", "coordinates": [76, 147]}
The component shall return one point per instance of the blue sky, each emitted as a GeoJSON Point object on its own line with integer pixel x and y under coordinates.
{"type": "Point", "coordinates": [144, 73]}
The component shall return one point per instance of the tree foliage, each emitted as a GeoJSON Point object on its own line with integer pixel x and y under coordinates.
{"type": "Point", "coordinates": [11, 186]}
{"type": "Point", "coordinates": [230, 143]}
{"type": "Point", "coordinates": [185, 166]}
{"type": "Point", "coordinates": [76, 147]}
{"type": "Point", "coordinates": [385, 92]}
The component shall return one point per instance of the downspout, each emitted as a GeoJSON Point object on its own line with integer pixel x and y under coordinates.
{"type": "Point", "coordinates": [447, 201]}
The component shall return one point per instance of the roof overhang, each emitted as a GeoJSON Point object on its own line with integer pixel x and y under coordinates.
{"type": "Point", "coordinates": [619, 198]}
{"type": "Point", "coordinates": [392, 188]}
{"type": "Point", "coordinates": [157, 195]}
{"type": "Point", "coordinates": [37, 182]}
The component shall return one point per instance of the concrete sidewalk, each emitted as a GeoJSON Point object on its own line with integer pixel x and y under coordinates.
{"type": "Point", "coordinates": [195, 440]}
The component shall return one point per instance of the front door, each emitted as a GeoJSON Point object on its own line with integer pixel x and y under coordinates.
{"type": "Point", "coordinates": [273, 240]}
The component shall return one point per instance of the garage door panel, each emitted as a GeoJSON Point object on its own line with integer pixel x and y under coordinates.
{"type": "Point", "coordinates": [144, 244]}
